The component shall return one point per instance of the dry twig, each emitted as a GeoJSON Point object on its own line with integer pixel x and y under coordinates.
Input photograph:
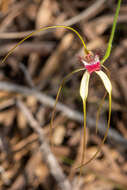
{"type": "Point", "coordinates": [85, 15]}
{"type": "Point", "coordinates": [49, 158]}
{"type": "Point", "coordinates": [75, 115]}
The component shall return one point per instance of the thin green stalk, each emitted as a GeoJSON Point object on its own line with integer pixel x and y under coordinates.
{"type": "Point", "coordinates": [108, 51]}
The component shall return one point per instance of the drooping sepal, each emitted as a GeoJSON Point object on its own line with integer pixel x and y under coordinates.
{"type": "Point", "coordinates": [105, 80]}
{"type": "Point", "coordinates": [84, 85]}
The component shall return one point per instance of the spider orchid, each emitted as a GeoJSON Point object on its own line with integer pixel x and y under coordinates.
{"type": "Point", "coordinates": [91, 63]}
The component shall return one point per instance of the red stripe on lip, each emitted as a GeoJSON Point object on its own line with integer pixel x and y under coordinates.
{"type": "Point", "coordinates": [93, 67]}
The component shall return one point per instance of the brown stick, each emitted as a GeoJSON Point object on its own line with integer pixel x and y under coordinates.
{"type": "Point", "coordinates": [48, 157]}
{"type": "Point", "coordinates": [85, 15]}
{"type": "Point", "coordinates": [75, 115]}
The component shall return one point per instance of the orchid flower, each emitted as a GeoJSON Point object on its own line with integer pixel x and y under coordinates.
{"type": "Point", "coordinates": [91, 63]}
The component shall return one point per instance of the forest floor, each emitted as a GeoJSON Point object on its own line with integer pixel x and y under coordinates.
{"type": "Point", "coordinates": [29, 81]}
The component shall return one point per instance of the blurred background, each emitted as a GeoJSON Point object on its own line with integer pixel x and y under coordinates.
{"type": "Point", "coordinates": [29, 81]}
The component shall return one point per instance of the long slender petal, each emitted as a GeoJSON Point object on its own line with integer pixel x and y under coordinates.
{"type": "Point", "coordinates": [43, 29]}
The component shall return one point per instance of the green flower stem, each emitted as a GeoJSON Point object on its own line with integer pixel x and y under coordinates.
{"type": "Point", "coordinates": [108, 51]}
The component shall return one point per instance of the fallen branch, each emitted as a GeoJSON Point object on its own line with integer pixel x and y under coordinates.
{"type": "Point", "coordinates": [71, 114]}
{"type": "Point", "coordinates": [48, 157]}
{"type": "Point", "coordinates": [85, 15]}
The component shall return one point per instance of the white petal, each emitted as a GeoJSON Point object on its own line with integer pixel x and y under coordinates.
{"type": "Point", "coordinates": [105, 81]}
{"type": "Point", "coordinates": [84, 85]}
